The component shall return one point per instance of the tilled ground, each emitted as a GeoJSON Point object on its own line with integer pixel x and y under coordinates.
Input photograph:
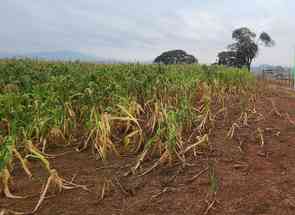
{"type": "Point", "coordinates": [249, 178]}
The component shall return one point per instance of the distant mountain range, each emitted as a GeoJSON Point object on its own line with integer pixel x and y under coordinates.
{"type": "Point", "coordinates": [57, 56]}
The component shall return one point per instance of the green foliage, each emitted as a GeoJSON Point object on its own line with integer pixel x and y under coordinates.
{"type": "Point", "coordinates": [6, 152]}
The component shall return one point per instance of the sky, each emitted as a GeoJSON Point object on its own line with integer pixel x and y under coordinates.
{"type": "Point", "coordinates": [140, 29]}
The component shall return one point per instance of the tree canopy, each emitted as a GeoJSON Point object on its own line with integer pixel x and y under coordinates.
{"type": "Point", "coordinates": [245, 48]}
{"type": "Point", "coordinates": [176, 57]}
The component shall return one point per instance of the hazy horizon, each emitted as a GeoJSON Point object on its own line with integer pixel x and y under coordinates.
{"type": "Point", "coordinates": [141, 30]}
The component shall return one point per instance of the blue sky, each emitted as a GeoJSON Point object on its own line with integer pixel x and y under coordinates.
{"type": "Point", "coordinates": [140, 30]}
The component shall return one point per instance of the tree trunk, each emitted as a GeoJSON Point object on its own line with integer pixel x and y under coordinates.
{"type": "Point", "coordinates": [249, 64]}
{"type": "Point", "coordinates": [249, 67]}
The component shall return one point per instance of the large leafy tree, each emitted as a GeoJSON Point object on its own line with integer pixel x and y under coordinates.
{"type": "Point", "coordinates": [176, 57]}
{"type": "Point", "coordinates": [245, 48]}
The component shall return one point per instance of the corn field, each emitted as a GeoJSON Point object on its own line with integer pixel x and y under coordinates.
{"type": "Point", "coordinates": [164, 112]}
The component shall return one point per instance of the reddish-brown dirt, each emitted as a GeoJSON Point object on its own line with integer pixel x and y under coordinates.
{"type": "Point", "coordinates": [251, 178]}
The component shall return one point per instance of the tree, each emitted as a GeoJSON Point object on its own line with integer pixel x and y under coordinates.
{"type": "Point", "coordinates": [227, 58]}
{"type": "Point", "coordinates": [245, 48]}
{"type": "Point", "coordinates": [175, 57]}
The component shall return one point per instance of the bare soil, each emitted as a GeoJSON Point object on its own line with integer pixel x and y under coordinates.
{"type": "Point", "coordinates": [250, 179]}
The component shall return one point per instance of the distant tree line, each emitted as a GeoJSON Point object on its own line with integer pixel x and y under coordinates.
{"type": "Point", "coordinates": [239, 54]}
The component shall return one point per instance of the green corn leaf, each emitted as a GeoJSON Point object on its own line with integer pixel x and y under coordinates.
{"type": "Point", "coordinates": [6, 152]}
